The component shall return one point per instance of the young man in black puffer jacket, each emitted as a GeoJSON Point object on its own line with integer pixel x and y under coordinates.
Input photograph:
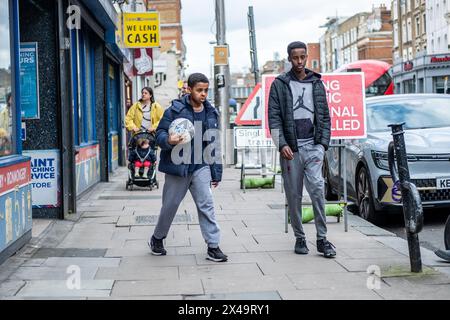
{"type": "Point", "coordinates": [300, 124]}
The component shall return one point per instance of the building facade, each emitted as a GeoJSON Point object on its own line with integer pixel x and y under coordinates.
{"type": "Point", "coordinates": [375, 38]}
{"type": "Point", "coordinates": [170, 58]}
{"type": "Point", "coordinates": [363, 36]}
{"type": "Point", "coordinates": [438, 25]}
{"type": "Point", "coordinates": [313, 57]}
{"type": "Point", "coordinates": [421, 47]}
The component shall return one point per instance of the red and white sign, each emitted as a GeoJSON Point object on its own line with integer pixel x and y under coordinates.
{"type": "Point", "coordinates": [143, 62]}
{"type": "Point", "coordinates": [15, 176]}
{"type": "Point", "coordinates": [267, 81]}
{"type": "Point", "coordinates": [346, 101]}
{"type": "Point", "coordinates": [251, 111]}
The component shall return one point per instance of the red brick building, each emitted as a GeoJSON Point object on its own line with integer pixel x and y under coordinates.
{"type": "Point", "coordinates": [377, 43]}
{"type": "Point", "coordinates": [313, 57]}
{"type": "Point", "coordinates": [171, 28]}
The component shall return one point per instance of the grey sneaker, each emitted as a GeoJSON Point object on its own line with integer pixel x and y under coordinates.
{"type": "Point", "coordinates": [216, 255]}
{"type": "Point", "coordinates": [157, 247]}
{"type": "Point", "coordinates": [326, 247]}
{"type": "Point", "coordinates": [301, 247]}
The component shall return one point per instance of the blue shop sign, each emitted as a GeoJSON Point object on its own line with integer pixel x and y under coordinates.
{"type": "Point", "coordinates": [29, 80]}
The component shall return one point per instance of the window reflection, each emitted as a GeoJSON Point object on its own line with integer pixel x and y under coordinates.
{"type": "Point", "coordinates": [6, 123]}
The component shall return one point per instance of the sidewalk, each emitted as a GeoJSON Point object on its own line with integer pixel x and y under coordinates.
{"type": "Point", "coordinates": [107, 244]}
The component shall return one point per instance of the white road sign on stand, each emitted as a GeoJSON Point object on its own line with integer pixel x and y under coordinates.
{"type": "Point", "coordinates": [251, 111]}
{"type": "Point", "coordinates": [245, 137]}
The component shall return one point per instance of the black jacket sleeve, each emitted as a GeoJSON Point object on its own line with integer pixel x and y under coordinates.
{"type": "Point", "coordinates": [325, 126]}
{"type": "Point", "coordinates": [275, 119]}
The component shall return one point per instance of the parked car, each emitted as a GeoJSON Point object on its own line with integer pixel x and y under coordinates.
{"type": "Point", "coordinates": [427, 137]}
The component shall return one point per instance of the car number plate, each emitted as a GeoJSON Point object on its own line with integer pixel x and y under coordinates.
{"type": "Point", "coordinates": [443, 183]}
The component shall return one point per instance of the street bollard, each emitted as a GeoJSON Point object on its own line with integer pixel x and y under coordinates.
{"type": "Point", "coordinates": [412, 204]}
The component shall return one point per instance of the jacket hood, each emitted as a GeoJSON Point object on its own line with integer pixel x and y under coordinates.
{"type": "Point", "coordinates": [184, 102]}
{"type": "Point", "coordinates": [310, 75]}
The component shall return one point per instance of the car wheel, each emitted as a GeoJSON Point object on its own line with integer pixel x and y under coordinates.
{"type": "Point", "coordinates": [366, 206]}
{"type": "Point", "coordinates": [329, 195]}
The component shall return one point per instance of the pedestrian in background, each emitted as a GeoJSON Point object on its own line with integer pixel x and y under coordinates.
{"type": "Point", "coordinates": [145, 114]}
{"type": "Point", "coordinates": [184, 89]}
{"type": "Point", "coordinates": [195, 176]}
{"type": "Point", "coordinates": [300, 123]}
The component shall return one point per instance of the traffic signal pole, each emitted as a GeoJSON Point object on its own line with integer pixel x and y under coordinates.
{"type": "Point", "coordinates": [222, 87]}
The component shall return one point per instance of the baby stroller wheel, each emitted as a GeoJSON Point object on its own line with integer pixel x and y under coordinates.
{"type": "Point", "coordinates": [126, 185]}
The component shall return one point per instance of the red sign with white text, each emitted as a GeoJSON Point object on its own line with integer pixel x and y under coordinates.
{"type": "Point", "coordinates": [14, 176]}
{"type": "Point", "coordinates": [346, 102]}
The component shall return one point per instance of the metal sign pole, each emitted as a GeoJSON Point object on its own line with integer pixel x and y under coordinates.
{"type": "Point", "coordinates": [345, 188]}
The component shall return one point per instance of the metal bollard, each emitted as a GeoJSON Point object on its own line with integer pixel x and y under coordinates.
{"type": "Point", "coordinates": [412, 204]}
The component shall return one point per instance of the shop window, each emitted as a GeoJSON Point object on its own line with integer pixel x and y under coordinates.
{"type": "Point", "coordinates": [442, 84]}
{"type": "Point", "coordinates": [410, 86]}
{"type": "Point", "coordinates": [6, 101]}
{"type": "Point", "coordinates": [83, 86]}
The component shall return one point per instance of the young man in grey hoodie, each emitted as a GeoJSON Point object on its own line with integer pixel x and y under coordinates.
{"type": "Point", "coordinates": [300, 123]}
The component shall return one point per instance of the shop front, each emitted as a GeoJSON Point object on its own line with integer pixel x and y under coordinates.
{"type": "Point", "coordinates": [15, 169]}
{"type": "Point", "coordinates": [425, 74]}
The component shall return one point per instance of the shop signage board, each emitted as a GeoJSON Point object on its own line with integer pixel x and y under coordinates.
{"type": "Point", "coordinates": [141, 30]}
{"type": "Point", "coordinates": [29, 80]}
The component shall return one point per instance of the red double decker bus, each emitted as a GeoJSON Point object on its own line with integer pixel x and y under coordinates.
{"type": "Point", "coordinates": [378, 81]}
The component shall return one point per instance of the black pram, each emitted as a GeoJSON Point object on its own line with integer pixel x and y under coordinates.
{"type": "Point", "coordinates": [146, 181]}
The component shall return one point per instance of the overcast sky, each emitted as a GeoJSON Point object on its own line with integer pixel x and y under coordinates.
{"type": "Point", "coordinates": [277, 22]}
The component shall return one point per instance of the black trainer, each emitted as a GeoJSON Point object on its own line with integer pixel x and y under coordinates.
{"type": "Point", "coordinates": [157, 247]}
{"type": "Point", "coordinates": [216, 255]}
{"type": "Point", "coordinates": [300, 246]}
{"type": "Point", "coordinates": [326, 247]}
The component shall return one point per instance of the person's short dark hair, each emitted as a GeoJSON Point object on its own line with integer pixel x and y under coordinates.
{"type": "Point", "coordinates": [197, 78]}
{"type": "Point", "coordinates": [296, 45]}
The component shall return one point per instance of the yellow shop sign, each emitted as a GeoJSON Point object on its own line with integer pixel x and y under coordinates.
{"type": "Point", "coordinates": [141, 30]}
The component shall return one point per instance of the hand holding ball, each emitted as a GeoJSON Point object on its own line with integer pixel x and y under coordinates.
{"type": "Point", "coordinates": [181, 131]}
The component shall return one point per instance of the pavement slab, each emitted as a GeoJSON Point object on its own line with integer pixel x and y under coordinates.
{"type": "Point", "coordinates": [238, 284]}
{"type": "Point", "coordinates": [161, 261]}
{"type": "Point", "coordinates": [52, 273]}
{"type": "Point", "coordinates": [329, 294]}
{"type": "Point", "coordinates": [10, 287]}
{"type": "Point", "coordinates": [219, 270]}
{"type": "Point", "coordinates": [60, 289]}
{"type": "Point", "coordinates": [137, 272]}
{"type": "Point", "coordinates": [305, 265]}
{"type": "Point", "coordinates": [157, 288]}
{"type": "Point", "coordinates": [241, 296]}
